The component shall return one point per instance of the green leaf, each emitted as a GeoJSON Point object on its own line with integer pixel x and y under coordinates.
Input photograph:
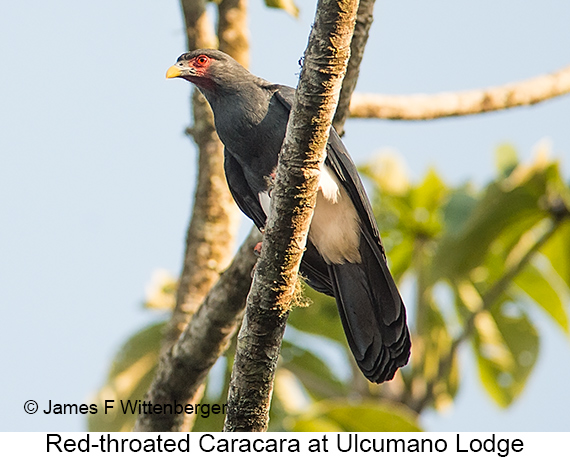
{"type": "Point", "coordinates": [367, 416]}
{"type": "Point", "coordinates": [431, 193]}
{"type": "Point", "coordinates": [312, 372]}
{"type": "Point", "coordinates": [506, 344]}
{"type": "Point", "coordinates": [539, 285]}
{"type": "Point", "coordinates": [406, 213]}
{"type": "Point", "coordinates": [129, 379]}
{"type": "Point", "coordinates": [288, 5]}
{"type": "Point", "coordinates": [458, 209]}
{"type": "Point", "coordinates": [557, 250]}
{"type": "Point", "coordinates": [432, 344]}
{"type": "Point", "coordinates": [426, 200]}
{"type": "Point", "coordinates": [316, 424]}
{"type": "Point", "coordinates": [513, 203]}
{"type": "Point", "coordinates": [400, 257]}
{"type": "Point", "coordinates": [410, 210]}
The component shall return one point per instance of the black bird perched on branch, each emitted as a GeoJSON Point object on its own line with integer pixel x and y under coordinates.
{"type": "Point", "coordinates": [344, 257]}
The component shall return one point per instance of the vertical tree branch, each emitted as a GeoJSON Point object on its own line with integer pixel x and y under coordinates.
{"type": "Point", "coordinates": [292, 204]}
{"type": "Point", "coordinates": [211, 232]}
{"type": "Point", "coordinates": [233, 30]}
{"type": "Point", "coordinates": [199, 26]}
{"type": "Point", "coordinates": [189, 351]}
{"type": "Point", "coordinates": [364, 20]}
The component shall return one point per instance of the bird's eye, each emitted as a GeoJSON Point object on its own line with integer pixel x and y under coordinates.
{"type": "Point", "coordinates": [202, 60]}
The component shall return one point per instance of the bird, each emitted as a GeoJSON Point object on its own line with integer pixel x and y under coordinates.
{"type": "Point", "coordinates": [344, 256]}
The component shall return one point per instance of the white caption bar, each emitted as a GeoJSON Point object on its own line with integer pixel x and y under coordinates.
{"type": "Point", "coordinates": [333, 444]}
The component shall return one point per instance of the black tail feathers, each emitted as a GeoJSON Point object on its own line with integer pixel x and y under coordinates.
{"type": "Point", "coordinates": [372, 313]}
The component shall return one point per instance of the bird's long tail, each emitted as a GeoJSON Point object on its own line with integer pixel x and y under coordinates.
{"type": "Point", "coordinates": [372, 312]}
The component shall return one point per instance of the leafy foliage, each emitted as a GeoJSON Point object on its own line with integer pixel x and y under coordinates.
{"type": "Point", "coordinates": [480, 264]}
{"type": "Point", "coordinates": [337, 415]}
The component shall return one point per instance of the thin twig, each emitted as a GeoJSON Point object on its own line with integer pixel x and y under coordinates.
{"type": "Point", "coordinates": [447, 104]}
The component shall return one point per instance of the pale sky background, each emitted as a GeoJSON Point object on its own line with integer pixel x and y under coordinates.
{"type": "Point", "coordinates": [96, 176]}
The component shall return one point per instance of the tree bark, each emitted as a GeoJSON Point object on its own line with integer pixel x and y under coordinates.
{"type": "Point", "coordinates": [233, 30]}
{"type": "Point", "coordinates": [292, 203]}
{"type": "Point", "coordinates": [447, 104]}
{"type": "Point", "coordinates": [213, 225]}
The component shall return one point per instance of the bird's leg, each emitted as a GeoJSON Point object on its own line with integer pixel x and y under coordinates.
{"type": "Point", "coordinates": [257, 247]}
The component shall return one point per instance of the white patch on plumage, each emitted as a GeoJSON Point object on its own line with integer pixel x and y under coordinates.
{"type": "Point", "coordinates": [265, 202]}
{"type": "Point", "coordinates": [328, 185]}
{"type": "Point", "coordinates": [335, 228]}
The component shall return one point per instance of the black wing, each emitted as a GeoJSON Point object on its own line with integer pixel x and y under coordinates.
{"type": "Point", "coordinates": [245, 198]}
{"type": "Point", "coordinates": [370, 306]}
{"type": "Point", "coordinates": [313, 267]}
{"type": "Point", "coordinates": [345, 170]}
{"type": "Point", "coordinates": [343, 167]}
{"type": "Point", "coordinates": [368, 289]}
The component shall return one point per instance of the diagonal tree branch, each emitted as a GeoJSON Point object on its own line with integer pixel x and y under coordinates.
{"type": "Point", "coordinates": [185, 367]}
{"type": "Point", "coordinates": [292, 203]}
{"type": "Point", "coordinates": [447, 104]}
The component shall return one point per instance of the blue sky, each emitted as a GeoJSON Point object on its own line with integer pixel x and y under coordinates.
{"type": "Point", "coordinates": [96, 176]}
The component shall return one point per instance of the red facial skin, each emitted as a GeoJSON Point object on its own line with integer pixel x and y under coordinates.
{"type": "Point", "coordinates": [201, 64]}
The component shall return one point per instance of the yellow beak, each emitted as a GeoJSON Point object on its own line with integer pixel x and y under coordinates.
{"type": "Point", "coordinates": [173, 72]}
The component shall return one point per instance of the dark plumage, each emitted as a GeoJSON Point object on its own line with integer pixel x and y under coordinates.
{"type": "Point", "coordinates": [344, 256]}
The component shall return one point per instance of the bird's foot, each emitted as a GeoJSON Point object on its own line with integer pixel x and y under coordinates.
{"type": "Point", "coordinates": [257, 249]}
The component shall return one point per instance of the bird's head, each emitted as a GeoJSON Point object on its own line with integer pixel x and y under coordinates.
{"type": "Point", "coordinates": [208, 69]}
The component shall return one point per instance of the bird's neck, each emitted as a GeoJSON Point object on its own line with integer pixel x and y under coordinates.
{"type": "Point", "coordinates": [242, 106]}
